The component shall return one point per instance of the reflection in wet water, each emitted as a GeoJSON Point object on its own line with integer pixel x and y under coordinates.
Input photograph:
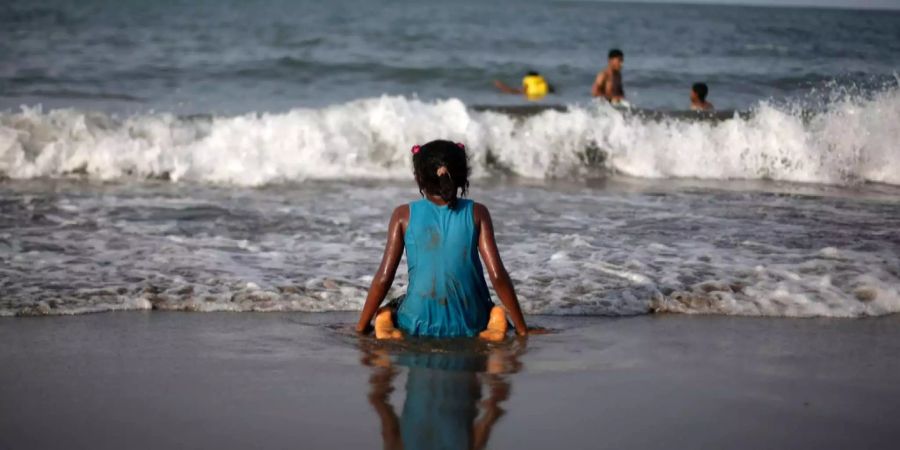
{"type": "Point", "coordinates": [454, 390]}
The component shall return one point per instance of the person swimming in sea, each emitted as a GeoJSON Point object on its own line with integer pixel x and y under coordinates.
{"type": "Point", "coordinates": [699, 91]}
{"type": "Point", "coordinates": [443, 236]}
{"type": "Point", "coordinates": [534, 86]}
{"type": "Point", "coordinates": [608, 83]}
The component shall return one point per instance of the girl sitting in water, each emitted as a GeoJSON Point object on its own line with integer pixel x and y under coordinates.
{"type": "Point", "coordinates": [443, 236]}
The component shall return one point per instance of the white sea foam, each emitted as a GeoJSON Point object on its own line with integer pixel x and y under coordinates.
{"type": "Point", "coordinates": [76, 247]}
{"type": "Point", "coordinates": [854, 139]}
{"type": "Point", "coordinates": [314, 246]}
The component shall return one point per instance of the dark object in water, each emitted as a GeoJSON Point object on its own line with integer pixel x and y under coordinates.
{"type": "Point", "coordinates": [659, 115]}
{"type": "Point", "coordinates": [520, 110]}
{"type": "Point", "coordinates": [651, 114]}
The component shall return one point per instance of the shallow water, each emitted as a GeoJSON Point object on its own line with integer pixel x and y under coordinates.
{"type": "Point", "coordinates": [112, 381]}
{"type": "Point", "coordinates": [612, 246]}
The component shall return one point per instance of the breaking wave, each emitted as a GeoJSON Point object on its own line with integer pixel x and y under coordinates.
{"type": "Point", "coordinates": [850, 140]}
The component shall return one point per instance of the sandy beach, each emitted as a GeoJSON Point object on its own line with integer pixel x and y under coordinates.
{"type": "Point", "coordinates": [221, 381]}
{"type": "Point", "coordinates": [700, 199]}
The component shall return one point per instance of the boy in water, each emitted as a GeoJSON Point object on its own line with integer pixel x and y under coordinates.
{"type": "Point", "coordinates": [608, 83]}
{"type": "Point", "coordinates": [698, 98]}
{"type": "Point", "coordinates": [534, 86]}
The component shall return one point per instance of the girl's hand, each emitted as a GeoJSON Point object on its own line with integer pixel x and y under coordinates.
{"type": "Point", "coordinates": [364, 329]}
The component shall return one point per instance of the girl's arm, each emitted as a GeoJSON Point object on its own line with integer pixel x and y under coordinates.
{"type": "Point", "coordinates": [381, 283]}
{"type": "Point", "coordinates": [487, 246]}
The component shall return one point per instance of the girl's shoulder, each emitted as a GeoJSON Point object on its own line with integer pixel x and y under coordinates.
{"type": "Point", "coordinates": [476, 205]}
{"type": "Point", "coordinates": [480, 212]}
{"type": "Point", "coordinates": [401, 213]}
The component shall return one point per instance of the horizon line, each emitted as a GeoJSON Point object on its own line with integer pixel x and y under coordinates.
{"type": "Point", "coordinates": [744, 4]}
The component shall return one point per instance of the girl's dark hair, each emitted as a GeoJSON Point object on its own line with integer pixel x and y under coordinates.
{"type": "Point", "coordinates": [429, 159]}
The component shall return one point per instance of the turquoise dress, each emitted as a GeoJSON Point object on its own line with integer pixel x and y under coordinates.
{"type": "Point", "coordinates": [447, 295]}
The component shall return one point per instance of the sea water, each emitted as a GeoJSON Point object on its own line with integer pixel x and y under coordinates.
{"type": "Point", "coordinates": [213, 156]}
{"type": "Point", "coordinates": [232, 57]}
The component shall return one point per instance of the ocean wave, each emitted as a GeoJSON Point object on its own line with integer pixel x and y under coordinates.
{"type": "Point", "coordinates": [851, 140]}
{"type": "Point", "coordinates": [773, 292]}
{"type": "Point", "coordinates": [71, 247]}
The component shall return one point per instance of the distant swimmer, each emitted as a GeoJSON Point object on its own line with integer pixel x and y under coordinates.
{"type": "Point", "coordinates": [534, 86]}
{"type": "Point", "coordinates": [608, 83]}
{"type": "Point", "coordinates": [698, 98]}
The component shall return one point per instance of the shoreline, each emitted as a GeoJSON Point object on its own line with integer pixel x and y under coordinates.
{"type": "Point", "coordinates": [220, 380]}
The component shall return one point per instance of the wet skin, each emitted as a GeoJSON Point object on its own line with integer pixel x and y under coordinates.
{"type": "Point", "coordinates": [608, 83]}
{"type": "Point", "coordinates": [487, 248]}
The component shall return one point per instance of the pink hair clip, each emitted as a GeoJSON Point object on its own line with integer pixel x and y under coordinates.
{"type": "Point", "coordinates": [415, 149]}
{"type": "Point", "coordinates": [461, 145]}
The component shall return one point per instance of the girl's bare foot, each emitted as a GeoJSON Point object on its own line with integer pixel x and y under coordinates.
{"type": "Point", "coordinates": [496, 327]}
{"type": "Point", "coordinates": [384, 325]}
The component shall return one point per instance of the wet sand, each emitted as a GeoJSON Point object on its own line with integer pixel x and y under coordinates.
{"type": "Point", "coordinates": [227, 381]}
